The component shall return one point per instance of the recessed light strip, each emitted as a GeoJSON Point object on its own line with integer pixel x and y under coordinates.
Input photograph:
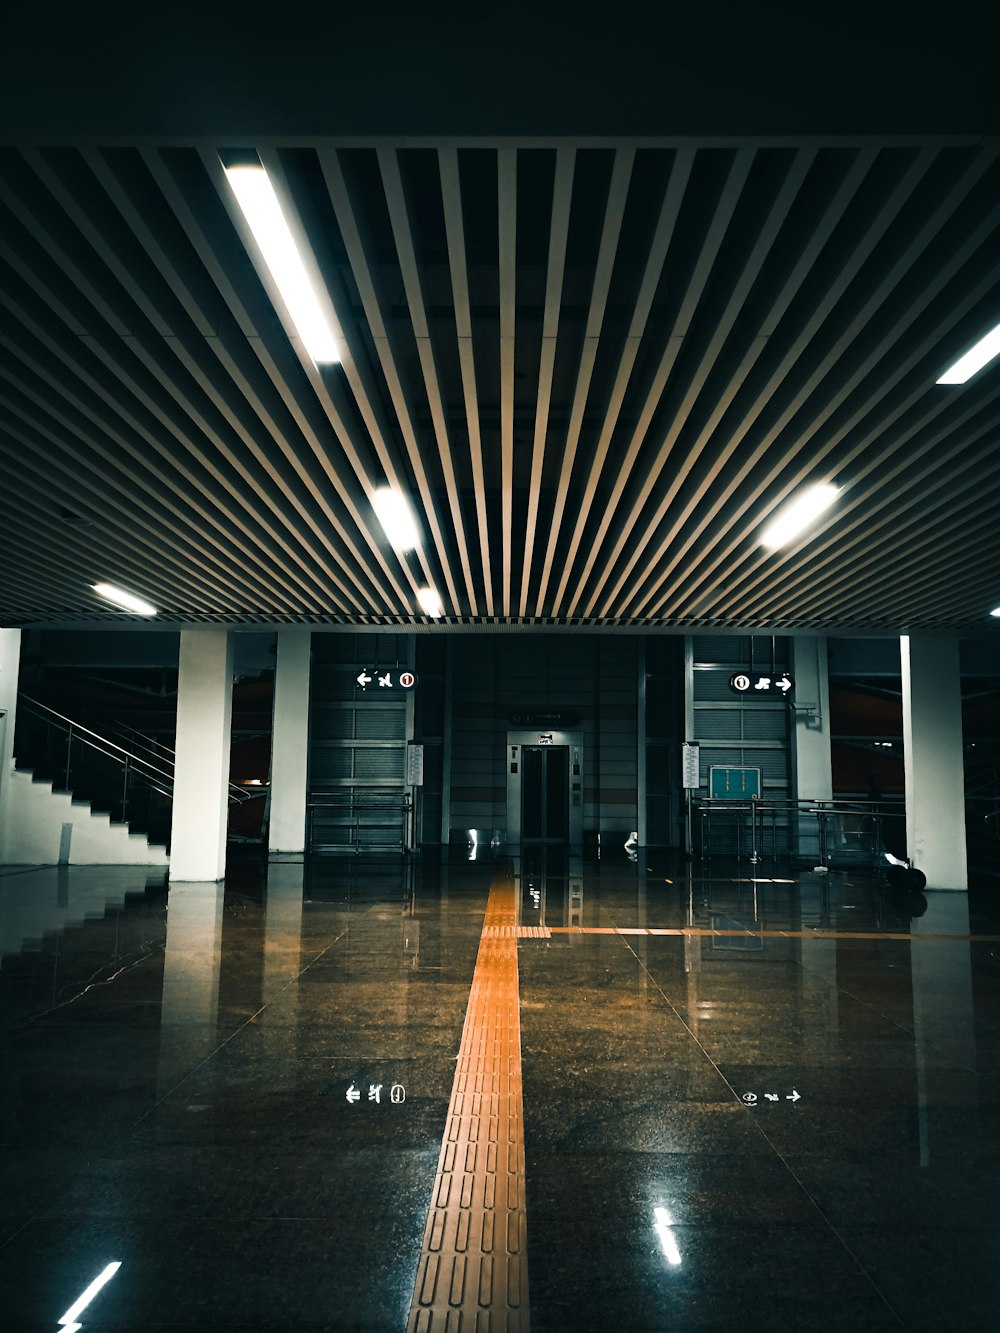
{"type": "Point", "coordinates": [966, 366]}
{"type": "Point", "coordinates": [256, 197]}
{"type": "Point", "coordinates": [397, 520]}
{"type": "Point", "coordinates": [126, 600]}
{"type": "Point", "coordinates": [430, 602]}
{"type": "Point", "coordinates": [797, 515]}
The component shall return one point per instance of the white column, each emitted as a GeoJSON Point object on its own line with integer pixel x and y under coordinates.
{"type": "Point", "coordinates": [812, 769]}
{"type": "Point", "coordinates": [201, 775]}
{"type": "Point", "coordinates": [933, 761]}
{"type": "Point", "coordinates": [290, 743]}
{"type": "Point", "coordinates": [10, 664]}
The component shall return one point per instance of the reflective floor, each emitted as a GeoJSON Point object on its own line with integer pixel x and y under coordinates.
{"type": "Point", "coordinates": [747, 1103]}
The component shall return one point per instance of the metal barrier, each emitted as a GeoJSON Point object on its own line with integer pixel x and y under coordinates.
{"type": "Point", "coordinates": [829, 833]}
{"type": "Point", "coordinates": [369, 820]}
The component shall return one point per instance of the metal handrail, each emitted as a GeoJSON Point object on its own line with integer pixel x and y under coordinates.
{"type": "Point", "coordinates": [151, 774]}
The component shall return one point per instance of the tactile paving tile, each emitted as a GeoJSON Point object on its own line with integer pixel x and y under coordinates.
{"type": "Point", "coordinates": [473, 1271]}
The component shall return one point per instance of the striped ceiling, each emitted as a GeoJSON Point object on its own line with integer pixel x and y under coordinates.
{"type": "Point", "coordinates": [595, 371]}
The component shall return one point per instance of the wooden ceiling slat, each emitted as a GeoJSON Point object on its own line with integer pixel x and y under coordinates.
{"type": "Point", "coordinates": [399, 215]}
{"type": "Point", "coordinates": [451, 193]}
{"type": "Point", "coordinates": [562, 198]}
{"type": "Point", "coordinates": [694, 285]}
{"type": "Point", "coordinates": [507, 285]}
{"type": "Point", "coordinates": [614, 213]}
{"type": "Point", "coordinates": [235, 395]}
{"type": "Point", "coordinates": [840, 384]}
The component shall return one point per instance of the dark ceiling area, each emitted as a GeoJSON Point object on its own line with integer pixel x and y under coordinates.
{"type": "Point", "coordinates": [595, 366]}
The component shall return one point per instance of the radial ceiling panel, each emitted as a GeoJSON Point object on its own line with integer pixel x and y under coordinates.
{"type": "Point", "coordinates": [594, 371]}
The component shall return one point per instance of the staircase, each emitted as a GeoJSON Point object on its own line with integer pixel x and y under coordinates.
{"type": "Point", "coordinates": [90, 793]}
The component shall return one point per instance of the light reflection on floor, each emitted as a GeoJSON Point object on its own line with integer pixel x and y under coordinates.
{"type": "Point", "coordinates": [748, 1102]}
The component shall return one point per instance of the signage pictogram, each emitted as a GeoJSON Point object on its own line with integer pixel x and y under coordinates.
{"type": "Point", "coordinates": [386, 679]}
{"type": "Point", "coordinates": [762, 682]}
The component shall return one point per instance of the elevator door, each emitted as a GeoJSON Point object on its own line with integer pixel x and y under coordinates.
{"type": "Point", "coordinates": [545, 794]}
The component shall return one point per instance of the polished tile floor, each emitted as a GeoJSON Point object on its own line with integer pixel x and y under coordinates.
{"type": "Point", "coordinates": [747, 1104]}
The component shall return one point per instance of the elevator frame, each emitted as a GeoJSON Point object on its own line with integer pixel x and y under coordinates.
{"type": "Point", "coordinates": [573, 740]}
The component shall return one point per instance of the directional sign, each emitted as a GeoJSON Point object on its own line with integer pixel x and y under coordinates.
{"type": "Point", "coordinates": [379, 679]}
{"type": "Point", "coordinates": [759, 683]}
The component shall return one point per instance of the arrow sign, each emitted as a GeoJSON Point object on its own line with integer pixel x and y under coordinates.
{"type": "Point", "coordinates": [394, 679]}
{"type": "Point", "coordinates": [792, 1096]}
{"type": "Point", "coordinates": [761, 682]}
{"type": "Point", "coordinates": [353, 1095]}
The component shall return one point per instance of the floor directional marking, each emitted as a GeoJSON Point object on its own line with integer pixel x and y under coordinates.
{"type": "Point", "coordinates": [473, 1271]}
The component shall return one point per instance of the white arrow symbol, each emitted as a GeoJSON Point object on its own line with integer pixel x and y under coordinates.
{"type": "Point", "coordinates": [784, 684]}
{"type": "Point", "coordinates": [353, 1095]}
{"type": "Point", "coordinates": [364, 680]}
{"type": "Point", "coordinates": [792, 1096]}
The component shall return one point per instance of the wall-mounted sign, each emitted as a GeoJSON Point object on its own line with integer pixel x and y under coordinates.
{"type": "Point", "coordinates": [383, 678]}
{"type": "Point", "coordinates": [414, 764]}
{"type": "Point", "coordinates": [734, 784]}
{"type": "Point", "coordinates": [690, 764]}
{"type": "Point", "coordinates": [759, 683]}
{"type": "Point", "coordinates": [542, 717]}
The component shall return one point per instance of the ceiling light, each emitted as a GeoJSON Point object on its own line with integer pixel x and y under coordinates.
{"type": "Point", "coordinates": [995, 611]}
{"type": "Point", "coordinates": [396, 519]}
{"type": "Point", "coordinates": [256, 197]}
{"type": "Point", "coordinates": [977, 357]}
{"type": "Point", "coordinates": [430, 602]}
{"type": "Point", "coordinates": [797, 515]}
{"type": "Point", "coordinates": [126, 600]}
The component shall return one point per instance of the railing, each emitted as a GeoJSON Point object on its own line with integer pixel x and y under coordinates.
{"type": "Point", "coordinates": [361, 816]}
{"type": "Point", "coordinates": [828, 831]}
{"type": "Point", "coordinates": [136, 781]}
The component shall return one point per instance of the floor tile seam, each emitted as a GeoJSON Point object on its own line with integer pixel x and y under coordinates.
{"type": "Point", "coordinates": [761, 1130]}
{"type": "Point", "coordinates": [932, 1043]}
{"type": "Point", "coordinates": [235, 1033]}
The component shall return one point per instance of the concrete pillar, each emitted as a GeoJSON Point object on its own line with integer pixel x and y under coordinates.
{"type": "Point", "coordinates": [933, 760]}
{"type": "Point", "coordinates": [812, 769]}
{"type": "Point", "coordinates": [290, 744]}
{"type": "Point", "coordinates": [10, 665]}
{"type": "Point", "coordinates": [201, 775]}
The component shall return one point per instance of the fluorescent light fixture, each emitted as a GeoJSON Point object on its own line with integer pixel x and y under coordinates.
{"type": "Point", "coordinates": [798, 514]}
{"type": "Point", "coordinates": [995, 611]}
{"type": "Point", "coordinates": [126, 600]}
{"type": "Point", "coordinates": [977, 357]}
{"type": "Point", "coordinates": [396, 519]}
{"type": "Point", "coordinates": [666, 1237]}
{"type": "Point", "coordinates": [256, 197]}
{"type": "Point", "coordinates": [430, 602]}
{"type": "Point", "coordinates": [82, 1301]}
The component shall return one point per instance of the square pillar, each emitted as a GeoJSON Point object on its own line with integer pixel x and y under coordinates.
{"type": "Point", "coordinates": [10, 665]}
{"type": "Point", "coordinates": [289, 744]}
{"type": "Point", "coordinates": [201, 773]}
{"type": "Point", "coordinates": [933, 761]}
{"type": "Point", "coordinates": [812, 765]}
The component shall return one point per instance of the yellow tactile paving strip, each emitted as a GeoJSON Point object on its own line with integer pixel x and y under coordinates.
{"type": "Point", "coordinates": [473, 1271]}
{"type": "Point", "coordinates": [817, 933]}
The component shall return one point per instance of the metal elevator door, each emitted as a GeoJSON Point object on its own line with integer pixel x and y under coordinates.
{"type": "Point", "coordinates": [545, 794]}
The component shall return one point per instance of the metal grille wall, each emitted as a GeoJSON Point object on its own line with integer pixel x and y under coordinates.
{"type": "Point", "coordinates": [358, 799]}
{"type": "Point", "coordinates": [735, 731]}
